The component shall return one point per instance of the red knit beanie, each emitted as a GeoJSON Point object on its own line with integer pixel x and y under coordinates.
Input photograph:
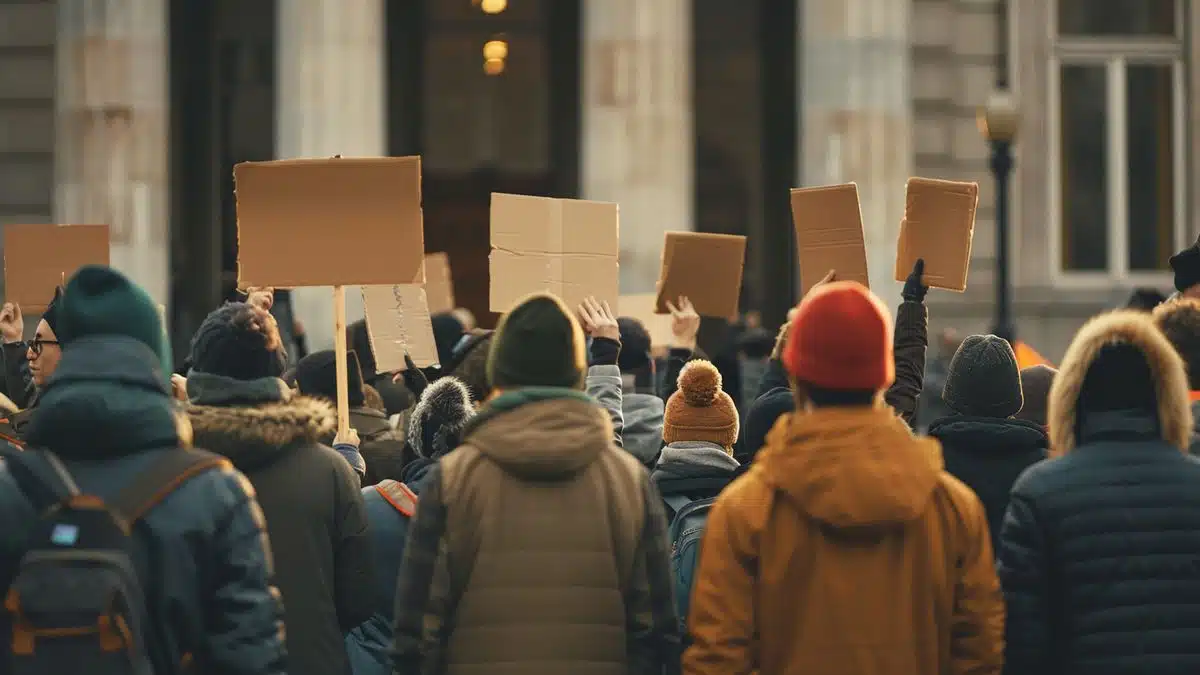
{"type": "Point", "coordinates": [841, 339]}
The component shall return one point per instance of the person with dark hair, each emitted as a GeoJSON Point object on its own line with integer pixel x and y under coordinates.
{"type": "Point", "coordinates": [396, 398]}
{"type": "Point", "coordinates": [1179, 321]}
{"type": "Point", "coordinates": [1186, 266]}
{"type": "Point", "coordinates": [380, 452]}
{"type": "Point", "coordinates": [468, 363]}
{"type": "Point", "coordinates": [240, 408]}
{"type": "Point", "coordinates": [983, 444]}
{"type": "Point", "coordinates": [1145, 299]}
{"type": "Point", "coordinates": [1098, 550]}
{"type": "Point", "coordinates": [1035, 388]}
{"type": "Point", "coordinates": [845, 539]}
{"type": "Point", "coordinates": [538, 545]}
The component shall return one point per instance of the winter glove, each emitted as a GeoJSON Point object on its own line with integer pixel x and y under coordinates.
{"type": "Point", "coordinates": [414, 379]}
{"type": "Point", "coordinates": [914, 290]}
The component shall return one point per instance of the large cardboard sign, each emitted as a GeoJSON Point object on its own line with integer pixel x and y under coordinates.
{"type": "Point", "coordinates": [38, 258]}
{"type": "Point", "coordinates": [938, 225]}
{"type": "Point", "coordinates": [641, 306]}
{"type": "Point", "coordinates": [330, 222]}
{"type": "Point", "coordinates": [439, 283]}
{"type": "Point", "coordinates": [829, 234]}
{"type": "Point", "coordinates": [567, 247]}
{"type": "Point", "coordinates": [704, 267]}
{"type": "Point", "coordinates": [398, 322]}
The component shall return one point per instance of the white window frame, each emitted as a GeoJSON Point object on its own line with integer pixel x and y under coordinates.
{"type": "Point", "coordinates": [1115, 54]}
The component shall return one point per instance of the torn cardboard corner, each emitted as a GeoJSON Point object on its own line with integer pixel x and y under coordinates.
{"type": "Point", "coordinates": [706, 268]}
{"type": "Point", "coordinates": [39, 258]}
{"type": "Point", "coordinates": [567, 247]}
{"type": "Point", "coordinates": [939, 222]}
{"type": "Point", "coordinates": [398, 323]}
{"type": "Point", "coordinates": [439, 283]}
{"type": "Point", "coordinates": [641, 307]}
{"type": "Point", "coordinates": [329, 222]}
{"type": "Point", "coordinates": [829, 234]}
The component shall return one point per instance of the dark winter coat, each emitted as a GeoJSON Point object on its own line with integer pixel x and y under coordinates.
{"type": "Point", "coordinates": [1098, 553]}
{"type": "Point", "coordinates": [311, 499]}
{"type": "Point", "coordinates": [380, 446]}
{"type": "Point", "coordinates": [692, 470]}
{"type": "Point", "coordinates": [908, 346]}
{"type": "Point", "coordinates": [988, 454]}
{"type": "Point", "coordinates": [203, 556]}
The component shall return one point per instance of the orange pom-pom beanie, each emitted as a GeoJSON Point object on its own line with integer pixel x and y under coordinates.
{"type": "Point", "coordinates": [699, 410]}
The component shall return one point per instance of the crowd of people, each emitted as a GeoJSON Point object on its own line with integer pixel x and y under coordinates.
{"type": "Point", "coordinates": [560, 497]}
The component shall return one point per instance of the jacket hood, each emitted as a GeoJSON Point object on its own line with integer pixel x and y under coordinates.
{"type": "Point", "coordinates": [988, 434]}
{"type": "Point", "coordinates": [255, 434]}
{"type": "Point", "coordinates": [1170, 378]}
{"type": "Point", "coordinates": [107, 398]}
{"type": "Point", "coordinates": [437, 421]}
{"type": "Point", "coordinates": [642, 434]}
{"type": "Point", "coordinates": [541, 433]}
{"type": "Point", "coordinates": [694, 459]}
{"type": "Point", "coordinates": [853, 468]}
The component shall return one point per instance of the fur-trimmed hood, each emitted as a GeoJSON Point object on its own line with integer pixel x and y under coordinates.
{"type": "Point", "coordinates": [436, 424]}
{"type": "Point", "coordinates": [1170, 378]}
{"type": "Point", "coordinates": [256, 435]}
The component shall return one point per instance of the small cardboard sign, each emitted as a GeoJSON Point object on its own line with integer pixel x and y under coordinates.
{"type": "Point", "coordinates": [398, 323]}
{"type": "Point", "coordinates": [39, 258]}
{"type": "Point", "coordinates": [567, 247]}
{"type": "Point", "coordinates": [439, 283]}
{"type": "Point", "coordinates": [939, 222]}
{"type": "Point", "coordinates": [704, 267]}
{"type": "Point", "coordinates": [641, 307]}
{"type": "Point", "coordinates": [329, 222]}
{"type": "Point", "coordinates": [829, 234]}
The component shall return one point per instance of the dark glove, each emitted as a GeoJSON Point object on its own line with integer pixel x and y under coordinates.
{"type": "Point", "coordinates": [914, 290]}
{"type": "Point", "coordinates": [605, 352]}
{"type": "Point", "coordinates": [414, 379]}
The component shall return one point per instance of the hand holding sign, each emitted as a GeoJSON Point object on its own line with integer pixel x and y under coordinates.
{"type": "Point", "coordinates": [685, 324]}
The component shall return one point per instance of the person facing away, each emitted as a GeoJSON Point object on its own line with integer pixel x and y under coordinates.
{"type": "Point", "coordinates": [203, 560]}
{"type": "Point", "coordinates": [846, 547]}
{"type": "Point", "coordinates": [240, 408]}
{"type": "Point", "coordinates": [982, 444]}
{"type": "Point", "coordinates": [538, 546]}
{"type": "Point", "coordinates": [1099, 549]}
{"type": "Point", "coordinates": [1035, 390]}
{"type": "Point", "coordinates": [1179, 320]}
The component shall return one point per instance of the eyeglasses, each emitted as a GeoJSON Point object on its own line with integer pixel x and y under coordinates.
{"type": "Point", "coordinates": [37, 345]}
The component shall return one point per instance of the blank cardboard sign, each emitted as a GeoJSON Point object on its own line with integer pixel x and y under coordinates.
{"type": "Point", "coordinates": [939, 222]}
{"type": "Point", "coordinates": [38, 258]}
{"type": "Point", "coordinates": [567, 247]}
{"type": "Point", "coordinates": [829, 234]}
{"type": "Point", "coordinates": [398, 323]}
{"type": "Point", "coordinates": [641, 306]}
{"type": "Point", "coordinates": [707, 268]}
{"type": "Point", "coordinates": [329, 222]}
{"type": "Point", "coordinates": [439, 283]}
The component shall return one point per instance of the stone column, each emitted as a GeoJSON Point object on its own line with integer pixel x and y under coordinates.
{"type": "Point", "coordinates": [112, 130]}
{"type": "Point", "coordinates": [637, 124]}
{"type": "Point", "coordinates": [856, 114]}
{"type": "Point", "coordinates": [331, 101]}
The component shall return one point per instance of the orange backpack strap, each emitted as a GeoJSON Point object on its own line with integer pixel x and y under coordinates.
{"type": "Point", "coordinates": [398, 495]}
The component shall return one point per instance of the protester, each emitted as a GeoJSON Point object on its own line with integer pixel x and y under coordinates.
{"type": "Point", "coordinates": [241, 409]}
{"type": "Point", "coordinates": [436, 427]}
{"type": "Point", "coordinates": [469, 361]}
{"type": "Point", "coordinates": [447, 331]}
{"type": "Point", "coordinates": [641, 407]}
{"type": "Point", "coordinates": [559, 532]}
{"type": "Point", "coordinates": [932, 407]}
{"type": "Point", "coordinates": [1186, 265]}
{"type": "Point", "coordinates": [912, 324]}
{"type": "Point", "coordinates": [107, 414]}
{"type": "Point", "coordinates": [28, 365]}
{"type": "Point", "coordinates": [982, 444]}
{"type": "Point", "coordinates": [1179, 321]}
{"type": "Point", "coordinates": [380, 450]}
{"type": "Point", "coordinates": [1097, 554]}
{"type": "Point", "coordinates": [845, 546]}
{"type": "Point", "coordinates": [754, 349]}
{"type": "Point", "coordinates": [1145, 299]}
{"type": "Point", "coordinates": [396, 399]}
{"type": "Point", "coordinates": [1035, 387]}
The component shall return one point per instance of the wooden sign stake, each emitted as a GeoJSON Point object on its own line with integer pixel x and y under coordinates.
{"type": "Point", "coordinates": [339, 348]}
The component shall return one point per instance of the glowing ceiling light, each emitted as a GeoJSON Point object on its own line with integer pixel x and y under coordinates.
{"type": "Point", "coordinates": [493, 6]}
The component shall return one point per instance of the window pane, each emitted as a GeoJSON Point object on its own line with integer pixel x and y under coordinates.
{"type": "Point", "coordinates": [1084, 168]}
{"type": "Point", "coordinates": [1116, 17]}
{"type": "Point", "coordinates": [1151, 150]}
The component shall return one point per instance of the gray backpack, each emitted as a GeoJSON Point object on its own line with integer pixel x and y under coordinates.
{"type": "Point", "coordinates": [75, 603]}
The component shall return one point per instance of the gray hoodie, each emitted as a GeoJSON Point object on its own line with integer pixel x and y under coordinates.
{"type": "Point", "coordinates": [637, 418]}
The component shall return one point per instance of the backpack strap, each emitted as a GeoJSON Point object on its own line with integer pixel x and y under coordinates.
{"type": "Point", "coordinates": [398, 495]}
{"type": "Point", "coordinates": [160, 479]}
{"type": "Point", "coordinates": [677, 502]}
{"type": "Point", "coordinates": [40, 475]}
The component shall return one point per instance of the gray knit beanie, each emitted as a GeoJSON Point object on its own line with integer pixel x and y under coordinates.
{"type": "Point", "coordinates": [984, 380]}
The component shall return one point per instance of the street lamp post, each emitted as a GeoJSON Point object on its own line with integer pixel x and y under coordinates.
{"type": "Point", "coordinates": [998, 121]}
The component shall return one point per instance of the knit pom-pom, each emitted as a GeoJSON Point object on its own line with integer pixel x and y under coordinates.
{"type": "Point", "coordinates": [699, 383]}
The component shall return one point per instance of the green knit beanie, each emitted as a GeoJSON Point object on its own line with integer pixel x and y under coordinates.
{"type": "Point", "coordinates": [538, 344]}
{"type": "Point", "coordinates": [99, 300]}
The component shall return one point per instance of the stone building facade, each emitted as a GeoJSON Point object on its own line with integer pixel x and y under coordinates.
{"type": "Point", "coordinates": [690, 113]}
